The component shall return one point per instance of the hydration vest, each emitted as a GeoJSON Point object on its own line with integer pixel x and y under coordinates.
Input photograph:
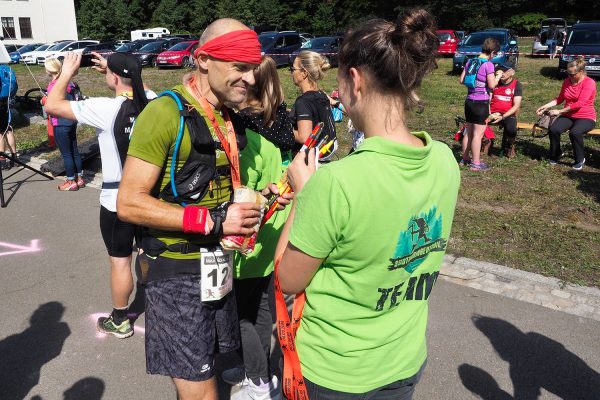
{"type": "Point", "coordinates": [503, 97]}
{"type": "Point", "coordinates": [472, 69]}
{"type": "Point", "coordinates": [191, 182]}
{"type": "Point", "coordinates": [8, 83]}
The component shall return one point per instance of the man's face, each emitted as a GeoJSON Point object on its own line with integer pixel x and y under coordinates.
{"type": "Point", "coordinates": [229, 81]}
{"type": "Point", "coordinates": [507, 75]}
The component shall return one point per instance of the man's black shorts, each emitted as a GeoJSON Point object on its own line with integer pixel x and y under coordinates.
{"type": "Point", "coordinates": [3, 117]}
{"type": "Point", "coordinates": [183, 334]}
{"type": "Point", "coordinates": [117, 235]}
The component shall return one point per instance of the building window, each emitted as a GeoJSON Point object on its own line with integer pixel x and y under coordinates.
{"type": "Point", "coordinates": [8, 27]}
{"type": "Point", "coordinates": [25, 27]}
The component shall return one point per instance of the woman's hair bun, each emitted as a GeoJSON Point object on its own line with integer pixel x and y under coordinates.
{"type": "Point", "coordinates": [415, 20]}
{"type": "Point", "coordinates": [325, 66]}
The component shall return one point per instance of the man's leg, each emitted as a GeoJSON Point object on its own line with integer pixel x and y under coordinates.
{"type": "Point", "coordinates": [203, 390]}
{"type": "Point", "coordinates": [121, 281]}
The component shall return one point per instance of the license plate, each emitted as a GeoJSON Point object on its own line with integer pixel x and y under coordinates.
{"type": "Point", "coordinates": [592, 67]}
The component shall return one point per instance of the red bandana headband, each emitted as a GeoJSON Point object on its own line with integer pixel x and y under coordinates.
{"type": "Point", "coordinates": [240, 46]}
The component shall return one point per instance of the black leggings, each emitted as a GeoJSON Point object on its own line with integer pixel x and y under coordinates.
{"type": "Point", "coordinates": [577, 128]}
{"type": "Point", "coordinates": [509, 132]}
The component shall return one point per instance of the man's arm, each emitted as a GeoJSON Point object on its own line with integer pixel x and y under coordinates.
{"type": "Point", "coordinates": [135, 204]}
{"type": "Point", "coordinates": [57, 104]}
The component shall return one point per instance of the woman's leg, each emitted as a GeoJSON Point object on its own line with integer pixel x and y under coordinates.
{"type": "Point", "coordinates": [560, 125]}
{"type": "Point", "coordinates": [61, 137]}
{"type": "Point", "coordinates": [578, 130]}
{"type": "Point", "coordinates": [466, 142]}
{"type": "Point", "coordinates": [475, 142]}
{"type": "Point", "coordinates": [75, 150]}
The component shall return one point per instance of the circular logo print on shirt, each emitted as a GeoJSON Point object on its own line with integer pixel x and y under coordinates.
{"type": "Point", "coordinates": [508, 91]}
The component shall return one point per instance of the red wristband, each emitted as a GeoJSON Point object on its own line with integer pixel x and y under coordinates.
{"type": "Point", "coordinates": [194, 220]}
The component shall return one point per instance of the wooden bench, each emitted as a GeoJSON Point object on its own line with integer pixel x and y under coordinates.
{"type": "Point", "coordinates": [523, 125]}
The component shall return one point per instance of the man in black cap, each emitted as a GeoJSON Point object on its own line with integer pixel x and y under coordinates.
{"type": "Point", "coordinates": [113, 119]}
{"type": "Point", "coordinates": [506, 102]}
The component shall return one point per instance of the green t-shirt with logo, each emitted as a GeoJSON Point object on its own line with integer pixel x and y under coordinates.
{"type": "Point", "coordinates": [380, 218]}
{"type": "Point", "coordinates": [153, 140]}
{"type": "Point", "coordinates": [260, 164]}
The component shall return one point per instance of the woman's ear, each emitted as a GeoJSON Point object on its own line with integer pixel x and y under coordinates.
{"type": "Point", "coordinates": [356, 80]}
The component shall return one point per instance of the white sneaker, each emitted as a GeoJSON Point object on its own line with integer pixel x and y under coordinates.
{"type": "Point", "coordinates": [264, 391]}
{"type": "Point", "coordinates": [235, 376]}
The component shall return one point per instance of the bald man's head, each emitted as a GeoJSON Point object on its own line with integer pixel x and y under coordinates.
{"type": "Point", "coordinates": [221, 27]}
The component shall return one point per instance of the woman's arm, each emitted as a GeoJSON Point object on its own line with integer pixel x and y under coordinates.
{"type": "Point", "coordinates": [543, 108]}
{"type": "Point", "coordinates": [305, 127]}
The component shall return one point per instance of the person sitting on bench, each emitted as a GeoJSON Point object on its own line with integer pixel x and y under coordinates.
{"type": "Point", "coordinates": [506, 102]}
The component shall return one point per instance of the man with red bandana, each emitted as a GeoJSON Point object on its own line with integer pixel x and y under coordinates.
{"type": "Point", "coordinates": [190, 309]}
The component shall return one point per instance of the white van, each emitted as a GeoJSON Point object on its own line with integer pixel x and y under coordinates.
{"type": "Point", "coordinates": [150, 33]}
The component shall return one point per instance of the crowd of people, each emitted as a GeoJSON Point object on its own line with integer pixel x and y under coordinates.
{"type": "Point", "coordinates": [173, 165]}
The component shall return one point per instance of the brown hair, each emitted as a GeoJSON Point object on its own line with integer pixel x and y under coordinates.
{"type": "Point", "coordinates": [579, 63]}
{"type": "Point", "coordinates": [395, 55]}
{"type": "Point", "coordinates": [489, 46]}
{"type": "Point", "coordinates": [266, 94]}
{"type": "Point", "coordinates": [314, 64]}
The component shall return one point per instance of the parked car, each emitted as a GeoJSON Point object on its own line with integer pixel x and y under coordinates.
{"type": "Point", "coordinates": [539, 43]}
{"type": "Point", "coordinates": [104, 49]}
{"type": "Point", "coordinates": [305, 37]}
{"type": "Point", "coordinates": [11, 47]}
{"type": "Point", "coordinates": [15, 56]}
{"type": "Point", "coordinates": [179, 55]}
{"type": "Point", "coordinates": [149, 52]}
{"type": "Point", "coordinates": [134, 45]}
{"type": "Point", "coordinates": [460, 35]}
{"type": "Point", "coordinates": [59, 50]}
{"type": "Point", "coordinates": [583, 39]}
{"type": "Point", "coordinates": [279, 45]}
{"type": "Point", "coordinates": [30, 58]}
{"type": "Point", "coordinates": [328, 46]}
{"type": "Point", "coordinates": [470, 47]}
{"type": "Point", "coordinates": [448, 42]}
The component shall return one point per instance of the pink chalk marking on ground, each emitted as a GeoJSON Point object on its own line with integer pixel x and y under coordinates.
{"type": "Point", "coordinates": [137, 330]}
{"type": "Point", "coordinates": [18, 249]}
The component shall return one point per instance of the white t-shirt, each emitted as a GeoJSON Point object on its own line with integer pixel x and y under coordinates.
{"type": "Point", "coordinates": [100, 112]}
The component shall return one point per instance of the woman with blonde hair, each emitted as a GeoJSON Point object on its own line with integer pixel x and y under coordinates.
{"type": "Point", "coordinates": [313, 105]}
{"type": "Point", "coordinates": [265, 110]}
{"type": "Point", "coordinates": [65, 134]}
{"type": "Point", "coordinates": [577, 116]}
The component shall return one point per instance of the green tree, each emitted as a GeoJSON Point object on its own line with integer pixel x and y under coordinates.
{"type": "Point", "coordinates": [526, 23]}
{"type": "Point", "coordinates": [93, 18]}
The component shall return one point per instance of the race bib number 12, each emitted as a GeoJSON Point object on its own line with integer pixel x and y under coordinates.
{"type": "Point", "coordinates": [216, 274]}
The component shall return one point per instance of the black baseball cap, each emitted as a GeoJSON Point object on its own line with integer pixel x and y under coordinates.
{"type": "Point", "coordinates": [124, 65]}
{"type": "Point", "coordinates": [505, 66]}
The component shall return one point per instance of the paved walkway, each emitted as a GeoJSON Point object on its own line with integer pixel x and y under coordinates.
{"type": "Point", "coordinates": [488, 337]}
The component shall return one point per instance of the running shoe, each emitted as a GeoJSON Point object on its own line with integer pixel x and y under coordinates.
{"type": "Point", "coordinates": [481, 166]}
{"type": "Point", "coordinates": [464, 163]}
{"type": "Point", "coordinates": [68, 186]}
{"type": "Point", "coordinates": [80, 182]}
{"type": "Point", "coordinates": [552, 162]}
{"type": "Point", "coordinates": [234, 376]}
{"type": "Point", "coordinates": [265, 391]}
{"type": "Point", "coordinates": [5, 164]}
{"type": "Point", "coordinates": [107, 325]}
{"type": "Point", "coordinates": [579, 166]}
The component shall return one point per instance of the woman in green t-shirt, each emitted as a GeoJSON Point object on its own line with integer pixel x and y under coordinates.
{"type": "Point", "coordinates": [367, 234]}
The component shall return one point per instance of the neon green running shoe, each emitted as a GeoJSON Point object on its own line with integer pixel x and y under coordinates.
{"type": "Point", "coordinates": [107, 325]}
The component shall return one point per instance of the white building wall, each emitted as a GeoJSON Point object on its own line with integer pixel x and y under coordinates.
{"type": "Point", "coordinates": [51, 20]}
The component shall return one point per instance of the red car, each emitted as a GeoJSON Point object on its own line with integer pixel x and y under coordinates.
{"type": "Point", "coordinates": [180, 55]}
{"type": "Point", "coordinates": [448, 42]}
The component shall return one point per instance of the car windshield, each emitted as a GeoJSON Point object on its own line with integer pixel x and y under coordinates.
{"type": "Point", "coordinates": [266, 40]}
{"type": "Point", "coordinates": [126, 47]}
{"type": "Point", "coordinates": [477, 39]}
{"type": "Point", "coordinates": [27, 47]}
{"type": "Point", "coordinates": [444, 36]}
{"type": "Point", "coordinates": [318, 43]}
{"type": "Point", "coordinates": [43, 47]}
{"type": "Point", "coordinates": [584, 37]}
{"type": "Point", "coordinates": [180, 46]}
{"type": "Point", "coordinates": [60, 46]}
{"type": "Point", "coordinates": [150, 47]}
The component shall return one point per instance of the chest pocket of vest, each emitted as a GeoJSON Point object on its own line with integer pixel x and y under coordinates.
{"type": "Point", "coordinates": [191, 181]}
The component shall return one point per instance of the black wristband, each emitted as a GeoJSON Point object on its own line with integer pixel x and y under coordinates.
{"type": "Point", "coordinates": [218, 215]}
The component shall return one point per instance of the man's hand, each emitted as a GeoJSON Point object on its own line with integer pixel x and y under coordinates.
{"type": "Point", "coordinates": [241, 219]}
{"type": "Point", "coordinates": [71, 64]}
{"type": "Point", "coordinates": [495, 118]}
{"type": "Point", "coordinates": [283, 200]}
{"type": "Point", "coordinates": [100, 63]}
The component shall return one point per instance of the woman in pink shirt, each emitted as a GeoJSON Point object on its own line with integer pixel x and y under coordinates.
{"type": "Point", "coordinates": [578, 115]}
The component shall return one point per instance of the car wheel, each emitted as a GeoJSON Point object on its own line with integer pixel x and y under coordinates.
{"type": "Point", "coordinates": [153, 63]}
{"type": "Point", "coordinates": [185, 62]}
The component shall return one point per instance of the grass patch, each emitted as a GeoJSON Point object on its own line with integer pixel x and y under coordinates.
{"type": "Point", "coordinates": [523, 213]}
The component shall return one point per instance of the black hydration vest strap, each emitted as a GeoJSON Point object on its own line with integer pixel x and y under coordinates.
{"type": "Point", "coordinates": [123, 126]}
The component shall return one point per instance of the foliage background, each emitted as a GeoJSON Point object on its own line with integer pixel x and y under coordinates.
{"type": "Point", "coordinates": [114, 19]}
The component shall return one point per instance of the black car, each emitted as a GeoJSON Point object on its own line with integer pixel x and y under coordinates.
{"type": "Point", "coordinates": [583, 39]}
{"type": "Point", "coordinates": [104, 49]}
{"type": "Point", "coordinates": [279, 45]}
{"type": "Point", "coordinates": [328, 46]}
{"type": "Point", "coordinates": [148, 53]}
{"type": "Point", "coordinates": [135, 45]}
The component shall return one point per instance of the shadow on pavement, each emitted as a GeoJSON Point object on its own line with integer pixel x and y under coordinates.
{"type": "Point", "coordinates": [535, 362]}
{"type": "Point", "coordinates": [23, 354]}
{"type": "Point", "coordinates": [89, 388]}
